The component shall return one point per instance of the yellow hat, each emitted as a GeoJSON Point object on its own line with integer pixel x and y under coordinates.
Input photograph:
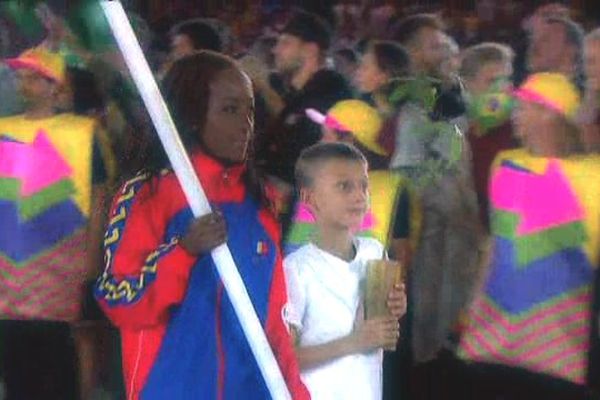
{"type": "Point", "coordinates": [50, 65]}
{"type": "Point", "coordinates": [356, 117]}
{"type": "Point", "coordinates": [552, 90]}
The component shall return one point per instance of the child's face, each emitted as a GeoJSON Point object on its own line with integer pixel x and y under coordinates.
{"type": "Point", "coordinates": [230, 117]}
{"type": "Point", "coordinates": [339, 194]}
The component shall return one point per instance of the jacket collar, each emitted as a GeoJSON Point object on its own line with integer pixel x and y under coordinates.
{"type": "Point", "coordinates": [220, 183]}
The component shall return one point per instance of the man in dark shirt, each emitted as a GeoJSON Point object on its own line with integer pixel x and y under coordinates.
{"type": "Point", "coordinates": [300, 57]}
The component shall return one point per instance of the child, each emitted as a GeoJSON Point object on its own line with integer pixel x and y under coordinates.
{"type": "Point", "coordinates": [393, 217]}
{"type": "Point", "coordinates": [181, 338]}
{"type": "Point", "coordinates": [334, 344]}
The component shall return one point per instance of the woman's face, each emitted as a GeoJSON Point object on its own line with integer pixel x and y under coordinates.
{"type": "Point", "coordinates": [369, 77]}
{"type": "Point", "coordinates": [536, 127]}
{"type": "Point", "coordinates": [230, 118]}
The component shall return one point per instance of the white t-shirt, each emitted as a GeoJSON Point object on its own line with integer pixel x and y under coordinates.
{"type": "Point", "coordinates": [324, 295]}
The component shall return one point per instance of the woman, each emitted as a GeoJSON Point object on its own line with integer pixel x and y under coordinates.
{"type": "Point", "coordinates": [382, 63]}
{"type": "Point", "coordinates": [528, 331]}
{"type": "Point", "coordinates": [181, 338]}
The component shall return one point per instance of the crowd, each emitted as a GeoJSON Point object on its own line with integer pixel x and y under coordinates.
{"type": "Point", "coordinates": [322, 142]}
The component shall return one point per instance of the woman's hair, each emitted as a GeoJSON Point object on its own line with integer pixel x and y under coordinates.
{"type": "Point", "coordinates": [475, 57]}
{"type": "Point", "coordinates": [316, 155]}
{"type": "Point", "coordinates": [186, 89]}
{"type": "Point", "coordinates": [391, 58]}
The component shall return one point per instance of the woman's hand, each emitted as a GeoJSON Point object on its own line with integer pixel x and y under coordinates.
{"type": "Point", "coordinates": [397, 301]}
{"type": "Point", "coordinates": [204, 234]}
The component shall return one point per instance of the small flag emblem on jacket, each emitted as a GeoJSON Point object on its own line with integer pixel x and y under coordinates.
{"type": "Point", "coordinates": [262, 248]}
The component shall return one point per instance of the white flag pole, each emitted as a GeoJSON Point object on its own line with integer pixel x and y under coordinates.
{"type": "Point", "coordinates": [182, 166]}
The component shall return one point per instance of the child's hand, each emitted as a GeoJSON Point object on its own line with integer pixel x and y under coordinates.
{"type": "Point", "coordinates": [397, 301]}
{"type": "Point", "coordinates": [204, 234]}
{"type": "Point", "coordinates": [375, 333]}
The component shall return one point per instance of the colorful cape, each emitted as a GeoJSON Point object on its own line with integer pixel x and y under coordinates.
{"type": "Point", "coordinates": [534, 311]}
{"type": "Point", "coordinates": [45, 194]}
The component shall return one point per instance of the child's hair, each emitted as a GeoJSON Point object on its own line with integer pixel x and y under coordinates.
{"type": "Point", "coordinates": [314, 156]}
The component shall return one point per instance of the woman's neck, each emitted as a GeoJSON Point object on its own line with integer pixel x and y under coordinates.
{"type": "Point", "coordinates": [336, 241]}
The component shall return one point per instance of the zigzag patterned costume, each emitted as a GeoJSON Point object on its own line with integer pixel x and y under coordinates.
{"type": "Point", "coordinates": [45, 195]}
{"type": "Point", "coordinates": [181, 338]}
{"type": "Point", "coordinates": [534, 311]}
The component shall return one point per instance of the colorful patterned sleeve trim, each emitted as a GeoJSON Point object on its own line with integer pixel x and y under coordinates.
{"type": "Point", "coordinates": [127, 290]}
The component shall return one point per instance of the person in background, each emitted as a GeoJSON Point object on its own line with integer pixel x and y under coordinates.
{"type": "Point", "coordinates": [300, 55]}
{"type": "Point", "coordinates": [423, 36]}
{"type": "Point", "coordinates": [383, 63]}
{"type": "Point", "coordinates": [444, 266]}
{"type": "Point", "coordinates": [589, 115]}
{"type": "Point", "coordinates": [450, 103]}
{"type": "Point", "coordinates": [345, 61]}
{"type": "Point", "coordinates": [538, 288]}
{"type": "Point", "coordinates": [533, 26]}
{"type": "Point", "coordinates": [558, 47]}
{"type": "Point", "coordinates": [486, 71]}
{"type": "Point", "coordinates": [449, 68]}
{"type": "Point", "coordinates": [335, 342]}
{"type": "Point", "coordinates": [180, 335]}
{"type": "Point", "coordinates": [188, 37]}
{"type": "Point", "coordinates": [428, 46]}
{"type": "Point", "coordinates": [53, 181]}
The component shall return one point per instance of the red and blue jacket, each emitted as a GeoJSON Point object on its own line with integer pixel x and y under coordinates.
{"type": "Point", "coordinates": [180, 336]}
